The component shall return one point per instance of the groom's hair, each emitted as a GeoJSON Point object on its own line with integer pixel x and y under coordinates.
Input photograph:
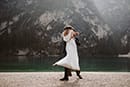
{"type": "Point", "coordinates": [66, 28]}
{"type": "Point", "coordinates": [66, 31]}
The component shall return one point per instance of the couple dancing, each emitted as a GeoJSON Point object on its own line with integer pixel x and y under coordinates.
{"type": "Point", "coordinates": [71, 59]}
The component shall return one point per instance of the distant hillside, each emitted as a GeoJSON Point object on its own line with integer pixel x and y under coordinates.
{"type": "Point", "coordinates": [33, 27]}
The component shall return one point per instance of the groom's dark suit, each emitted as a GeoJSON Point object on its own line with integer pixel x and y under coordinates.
{"type": "Point", "coordinates": [67, 70]}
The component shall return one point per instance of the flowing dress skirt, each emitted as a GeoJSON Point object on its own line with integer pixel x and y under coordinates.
{"type": "Point", "coordinates": [71, 60]}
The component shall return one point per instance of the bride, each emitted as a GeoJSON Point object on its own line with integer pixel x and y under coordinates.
{"type": "Point", "coordinates": [71, 60]}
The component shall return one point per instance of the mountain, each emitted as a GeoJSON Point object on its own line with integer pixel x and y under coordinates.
{"type": "Point", "coordinates": [33, 27]}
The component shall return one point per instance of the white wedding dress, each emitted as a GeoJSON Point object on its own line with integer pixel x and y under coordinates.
{"type": "Point", "coordinates": [71, 60]}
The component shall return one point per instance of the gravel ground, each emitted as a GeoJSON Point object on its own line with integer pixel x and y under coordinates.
{"type": "Point", "coordinates": [51, 79]}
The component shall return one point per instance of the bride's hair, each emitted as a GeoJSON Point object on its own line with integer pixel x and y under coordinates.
{"type": "Point", "coordinates": [66, 31]}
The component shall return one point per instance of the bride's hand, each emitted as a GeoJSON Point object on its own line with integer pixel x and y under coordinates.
{"type": "Point", "coordinates": [77, 33]}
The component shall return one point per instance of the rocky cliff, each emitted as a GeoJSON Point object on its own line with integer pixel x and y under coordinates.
{"type": "Point", "coordinates": [33, 27]}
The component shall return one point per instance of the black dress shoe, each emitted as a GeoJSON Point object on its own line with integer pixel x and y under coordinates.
{"type": "Point", "coordinates": [64, 79]}
{"type": "Point", "coordinates": [70, 74]}
{"type": "Point", "coordinates": [80, 77]}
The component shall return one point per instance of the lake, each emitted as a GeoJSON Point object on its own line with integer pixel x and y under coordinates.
{"type": "Point", "coordinates": [41, 63]}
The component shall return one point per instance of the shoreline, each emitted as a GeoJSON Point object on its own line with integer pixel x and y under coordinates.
{"type": "Point", "coordinates": [91, 72]}
{"type": "Point", "coordinates": [51, 79]}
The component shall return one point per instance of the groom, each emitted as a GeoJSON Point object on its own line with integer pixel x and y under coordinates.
{"type": "Point", "coordinates": [67, 71]}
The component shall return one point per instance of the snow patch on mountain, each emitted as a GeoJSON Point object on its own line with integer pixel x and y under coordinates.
{"type": "Point", "coordinates": [48, 17]}
{"type": "Point", "coordinates": [23, 51]}
{"type": "Point", "coordinates": [124, 55]}
{"type": "Point", "coordinates": [124, 40]}
{"type": "Point", "coordinates": [99, 32]}
{"type": "Point", "coordinates": [68, 21]}
{"type": "Point", "coordinates": [29, 2]}
{"type": "Point", "coordinates": [9, 30]}
{"type": "Point", "coordinates": [39, 33]}
{"type": "Point", "coordinates": [49, 27]}
{"type": "Point", "coordinates": [3, 25]}
{"type": "Point", "coordinates": [56, 39]}
{"type": "Point", "coordinates": [11, 22]}
{"type": "Point", "coordinates": [15, 18]}
{"type": "Point", "coordinates": [78, 4]}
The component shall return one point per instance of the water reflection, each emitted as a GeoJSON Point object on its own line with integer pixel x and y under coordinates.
{"type": "Point", "coordinates": [42, 63]}
{"type": "Point", "coordinates": [22, 59]}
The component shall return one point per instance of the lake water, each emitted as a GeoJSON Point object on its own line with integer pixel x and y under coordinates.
{"type": "Point", "coordinates": [37, 64]}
